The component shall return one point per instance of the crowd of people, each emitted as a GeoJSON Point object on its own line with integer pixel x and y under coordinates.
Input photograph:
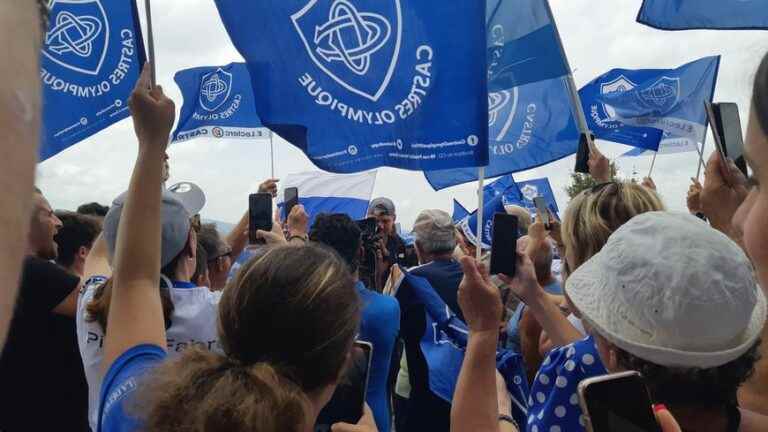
{"type": "Point", "coordinates": [135, 316]}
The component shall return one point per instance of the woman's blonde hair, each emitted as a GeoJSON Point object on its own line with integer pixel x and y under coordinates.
{"type": "Point", "coordinates": [594, 214]}
{"type": "Point", "coordinates": [287, 323]}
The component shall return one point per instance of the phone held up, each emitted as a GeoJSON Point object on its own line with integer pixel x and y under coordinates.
{"type": "Point", "coordinates": [617, 403]}
{"type": "Point", "coordinates": [290, 200]}
{"type": "Point", "coordinates": [259, 214]}
{"type": "Point", "coordinates": [542, 211]}
{"type": "Point", "coordinates": [725, 123]}
{"type": "Point", "coordinates": [504, 244]}
{"type": "Point", "coordinates": [348, 401]}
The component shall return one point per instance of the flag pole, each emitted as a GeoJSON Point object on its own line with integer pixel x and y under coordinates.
{"type": "Point", "coordinates": [480, 204]}
{"type": "Point", "coordinates": [272, 153]}
{"type": "Point", "coordinates": [701, 156]}
{"type": "Point", "coordinates": [653, 163]}
{"type": "Point", "coordinates": [150, 42]}
{"type": "Point", "coordinates": [573, 91]}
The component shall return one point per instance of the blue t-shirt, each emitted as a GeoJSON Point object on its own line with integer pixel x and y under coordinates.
{"type": "Point", "coordinates": [380, 325]}
{"type": "Point", "coordinates": [553, 405]}
{"type": "Point", "coordinates": [120, 385]}
{"type": "Point", "coordinates": [513, 326]}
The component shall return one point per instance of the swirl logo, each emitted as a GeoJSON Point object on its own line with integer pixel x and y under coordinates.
{"type": "Point", "coordinates": [79, 35]}
{"type": "Point", "coordinates": [215, 88]}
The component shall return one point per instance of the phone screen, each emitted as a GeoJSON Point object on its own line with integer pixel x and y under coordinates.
{"type": "Point", "coordinates": [542, 211]}
{"type": "Point", "coordinates": [260, 214]}
{"type": "Point", "coordinates": [582, 155]}
{"type": "Point", "coordinates": [346, 404]}
{"type": "Point", "coordinates": [732, 137]}
{"type": "Point", "coordinates": [290, 200]}
{"type": "Point", "coordinates": [504, 244]}
{"type": "Point", "coordinates": [713, 115]}
{"type": "Point", "coordinates": [618, 402]}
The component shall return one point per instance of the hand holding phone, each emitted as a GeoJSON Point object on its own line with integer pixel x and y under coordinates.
{"type": "Point", "coordinates": [259, 214]}
{"type": "Point", "coordinates": [542, 211]}
{"type": "Point", "coordinates": [582, 155]}
{"type": "Point", "coordinates": [618, 402]}
{"type": "Point", "coordinates": [504, 244]}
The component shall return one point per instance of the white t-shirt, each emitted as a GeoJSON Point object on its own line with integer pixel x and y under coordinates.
{"type": "Point", "coordinates": [193, 323]}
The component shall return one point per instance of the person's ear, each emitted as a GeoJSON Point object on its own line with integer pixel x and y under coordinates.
{"type": "Point", "coordinates": [191, 244]}
{"type": "Point", "coordinates": [83, 252]}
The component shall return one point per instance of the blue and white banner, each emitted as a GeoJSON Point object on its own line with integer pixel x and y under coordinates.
{"type": "Point", "coordinates": [459, 211]}
{"type": "Point", "coordinates": [505, 186]}
{"type": "Point", "coordinates": [321, 192]}
{"type": "Point", "coordinates": [218, 103]}
{"type": "Point", "coordinates": [531, 189]}
{"type": "Point", "coordinates": [469, 224]}
{"type": "Point", "coordinates": [704, 14]}
{"type": "Point", "coordinates": [635, 107]}
{"type": "Point", "coordinates": [529, 126]}
{"type": "Point", "coordinates": [523, 46]}
{"type": "Point", "coordinates": [668, 145]}
{"type": "Point", "coordinates": [368, 83]}
{"type": "Point", "coordinates": [91, 59]}
{"type": "Point", "coordinates": [445, 341]}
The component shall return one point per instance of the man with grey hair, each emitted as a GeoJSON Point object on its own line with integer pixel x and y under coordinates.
{"type": "Point", "coordinates": [435, 242]}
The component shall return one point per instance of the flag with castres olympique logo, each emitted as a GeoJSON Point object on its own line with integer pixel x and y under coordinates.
{"type": "Point", "coordinates": [704, 14]}
{"type": "Point", "coordinates": [92, 56]}
{"type": "Point", "coordinates": [638, 107]}
{"type": "Point", "coordinates": [218, 103]}
{"type": "Point", "coordinates": [360, 84]}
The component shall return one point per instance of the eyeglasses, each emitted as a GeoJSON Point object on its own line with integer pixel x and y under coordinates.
{"type": "Point", "coordinates": [224, 252]}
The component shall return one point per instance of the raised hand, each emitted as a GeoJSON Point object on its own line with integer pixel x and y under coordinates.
{"type": "Point", "coordinates": [479, 299]}
{"type": "Point", "coordinates": [153, 113]}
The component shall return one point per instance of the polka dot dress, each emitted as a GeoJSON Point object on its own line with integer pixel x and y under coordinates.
{"type": "Point", "coordinates": [553, 405]}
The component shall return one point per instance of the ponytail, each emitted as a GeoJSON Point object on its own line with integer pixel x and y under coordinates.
{"type": "Point", "coordinates": [202, 391]}
{"type": "Point", "coordinates": [97, 310]}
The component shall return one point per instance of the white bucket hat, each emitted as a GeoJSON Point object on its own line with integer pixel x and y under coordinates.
{"type": "Point", "coordinates": [671, 290]}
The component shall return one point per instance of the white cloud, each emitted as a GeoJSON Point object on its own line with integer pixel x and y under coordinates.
{"type": "Point", "coordinates": [598, 35]}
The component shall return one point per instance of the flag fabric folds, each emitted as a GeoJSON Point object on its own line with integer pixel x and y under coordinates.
{"type": "Point", "coordinates": [531, 189]}
{"type": "Point", "coordinates": [704, 14]}
{"type": "Point", "coordinates": [459, 212]}
{"type": "Point", "coordinates": [636, 107]}
{"type": "Point", "coordinates": [529, 126]}
{"type": "Point", "coordinates": [218, 103]}
{"type": "Point", "coordinates": [92, 56]}
{"type": "Point", "coordinates": [523, 45]}
{"type": "Point", "coordinates": [445, 341]}
{"type": "Point", "coordinates": [367, 83]}
{"type": "Point", "coordinates": [321, 192]}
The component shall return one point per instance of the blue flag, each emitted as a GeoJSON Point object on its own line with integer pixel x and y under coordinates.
{"type": "Point", "coordinates": [91, 59]}
{"type": "Point", "coordinates": [505, 186]}
{"type": "Point", "coordinates": [635, 107]}
{"type": "Point", "coordinates": [531, 189]}
{"type": "Point", "coordinates": [529, 126]}
{"type": "Point", "coordinates": [704, 14]}
{"type": "Point", "coordinates": [445, 341]}
{"type": "Point", "coordinates": [459, 212]}
{"type": "Point", "coordinates": [523, 45]}
{"type": "Point", "coordinates": [218, 103]}
{"type": "Point", "coordinates": [367, 83]}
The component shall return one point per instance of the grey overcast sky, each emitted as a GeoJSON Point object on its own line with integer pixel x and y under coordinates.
{"type": "Point", "coordinates": [598, 35]}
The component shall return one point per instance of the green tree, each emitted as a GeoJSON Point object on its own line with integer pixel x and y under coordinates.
{"type": "Point", "coordinates": [581, 182]}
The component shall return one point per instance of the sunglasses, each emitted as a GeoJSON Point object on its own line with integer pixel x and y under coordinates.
{"type": "Point", "coordinates": [224, 252]}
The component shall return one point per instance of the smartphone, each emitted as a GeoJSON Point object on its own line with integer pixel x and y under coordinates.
{"type": "Point", "coordinates": [504, 244]}
{"type": "Point", "coordinates": [290, 200]}
{"type": "Point", "coordinates": [582, 155]}
{"type": "Point", "coordinates": [732, 136]}
{"type": "Point", "coordinates": [260, 214]}
{"type": "Point", "coordinates": [713, 115]}
{"type": "Point", "coordinates": [348, 401]}
{"type": "Point", "coordinates": [617, 403]}
{"type": "Point", "coordinates": [542, 211]}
